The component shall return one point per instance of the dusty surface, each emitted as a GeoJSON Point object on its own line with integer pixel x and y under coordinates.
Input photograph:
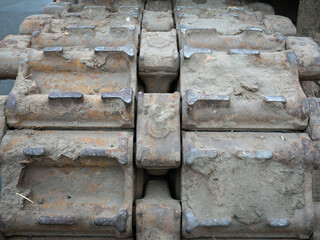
{"type": "Point", "coordinates": [248, 191]}
{"type": "Point", "coordinates": [209, 38]}
{"type": "Point", "coordinates": [158, 215]}
{"type": "Point", "coordinates": [224, 24]}
{"type": "Point", "coordinates": [42, 74]}
{"type": "Point", "coordinates": [159, 52]}
{"type": "Point", "coordinates": [157, 21]}
{"type": "Point", "coordinates": [275, 23]}
{"type": "Point", "coordinates": [246, 79]}
{"type": "Point", "coordinates": [158, 131]}
{"type": "Point", "coordinates": [308, 53]}
{"type": "Point", "coordinates": [113, 31]}
{"type": "Point", "coordinates": [63, 181]}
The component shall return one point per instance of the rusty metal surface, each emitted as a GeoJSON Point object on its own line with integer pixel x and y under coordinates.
{"type": "Point", "coordinates": [157, 214]}
{"type": "Point", "coordinates": [308, 55]}
{"type": "Point", "coordinates": [158, 60]}
{"type": "Point", "coordinates": [10, 50]}
{"type": "Point", "coordinates": [114, 31]}
{"type": "Point", "coordinates": [71, 192]}
{"type": "Point", "coordinates": [239, 74]}
{"type": "Point", "coordinates": [247, 185]}
{"type": "Point", "coordinates": [250, 38]}
{"type": "Point", "coordinates": [102, 78]}
{"type": "Point", "coordinates": [241, 91]}
{"type": "Point", "coordinates": [157, 21]}
{"type": "Point", "coordinates": [225, 24]}
{"type": "Point", "coordinates": [158, 131]}
{"type": "Point", "coordinates": [34, 23]}
{"type": "Point", "coordinates": [276, 23]}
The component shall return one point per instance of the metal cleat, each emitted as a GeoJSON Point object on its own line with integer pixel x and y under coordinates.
{"type": "Point", "coordinates": [157, 214]}
{"type": "Point", "coordinates": [247, 89]}
{"type": "Point", "coordinates": [280, 24]}
{"type": "Point", "coordinates": [78, 89]}
{"type": "Point", "coordinates": [250, 38]}
{"type": "Point", "coordinates": [157, 21]}
{"type": "Point", "coordinates": [308, 56]}
{"type": "Point", "coordinates": [249, 185]}
{"type": "Point", "coordinates": [158, 131]}
{"type": "Point", "coordinates": [10, 50]}
{"type": "Point", "coordinates": [47, 176]}
{"type": "Point", "coordinates": [158, 60]}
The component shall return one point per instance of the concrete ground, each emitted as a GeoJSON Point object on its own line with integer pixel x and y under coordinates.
{"type": "Point", "coordinates": [12, 13]}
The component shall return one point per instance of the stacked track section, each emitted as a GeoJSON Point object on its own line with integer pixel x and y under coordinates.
{"type": "Point", "coordinates": [180, 119]}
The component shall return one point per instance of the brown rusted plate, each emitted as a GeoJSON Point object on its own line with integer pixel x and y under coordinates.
{"type": "Point", "coordinates": [157, 21]}
{"type": "Point", "coordinates": [250, 38]}
{"type": "Point", "coordinates": [241, 89]}
{"type": "Point", "coordinates": [225, 24]}
{"type": "Point", "coordinates": [157, 214]}
{"type": "Point", "coordinates": [158, 60]}
{"type": "Point", "coordinates": [72, 187]}
{"type": "Point", "coordinates": [115, 31]}
{"type": "Point", "coordinates": [281, 24]}
{"type": "Point", "coordinates": [34, 24]}
{"type": "Point", "coordinates": [158, 131]}
{"type": "Point", "coordinates": [247, 185]}
{"type": "Point", "coordinates": [92, 9]}
{"type": "Point", "coordinates": [10, 50]}
{"type": "Point", "coordinates": [308, 55]}
{"type": "Point", "coordinates": [105, 79]}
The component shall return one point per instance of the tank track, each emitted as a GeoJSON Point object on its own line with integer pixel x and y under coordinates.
{"type": "Point", "coordinates": [162, 119]}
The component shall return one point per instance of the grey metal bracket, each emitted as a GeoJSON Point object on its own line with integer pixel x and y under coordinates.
{"type": "Point", "coordinates": [194, 153]}
{"type": "Point", "coordinates": [125, 95]}
{"type": "Point", "coordinates": [125, 49]}
{"type": "Point", "coordinates": [220, 100]}
{"type": "Point", "coordinates": [119, 221]}
{"type": "Point", "coordinates": [192, 222]}
{"type": "Point", "coordinates": [65, 95]}
{"type": "Point", "coordinates": [34, 152]}
{"type": "Point", "coordinates": [120, 153]}
{"type": "Point", "coordinates": [188, 51]}
{"type": "Point", "coordinates": [55, 221]}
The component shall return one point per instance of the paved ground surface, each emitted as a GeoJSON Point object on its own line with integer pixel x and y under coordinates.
{"type": "Point", "coordinates": [12, 13]}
